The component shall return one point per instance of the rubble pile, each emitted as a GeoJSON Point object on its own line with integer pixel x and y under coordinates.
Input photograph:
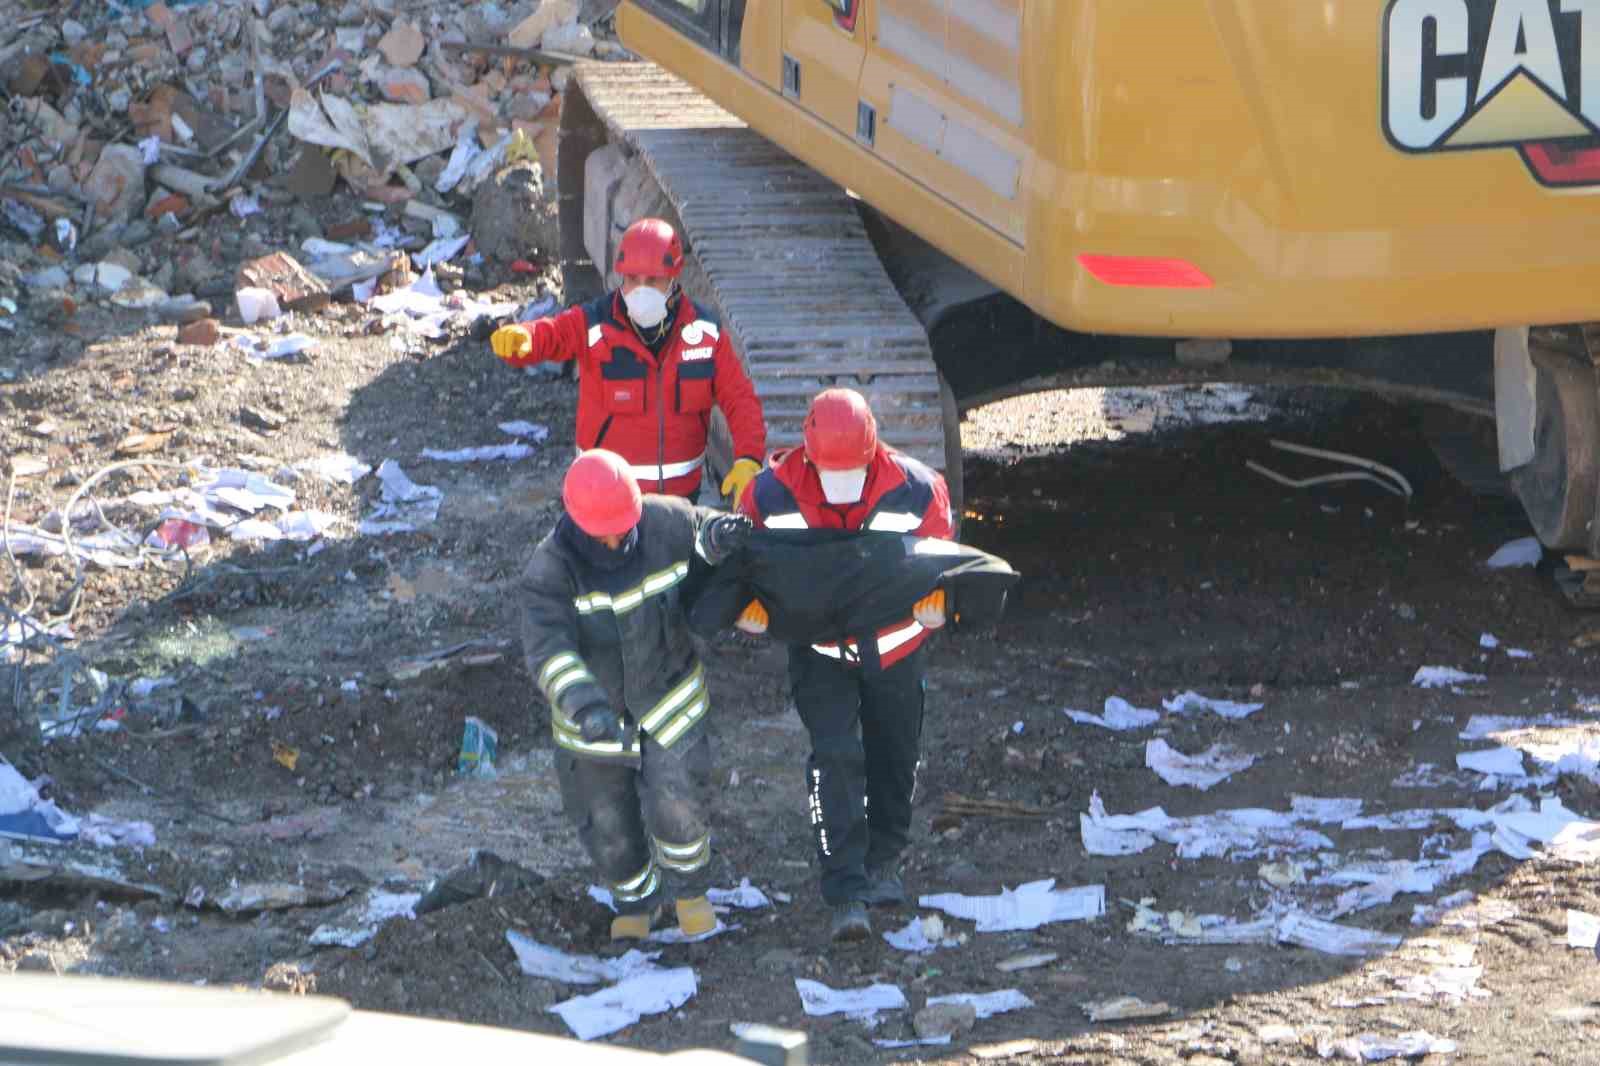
{"type": "Point", "coordinates": [154, 150]}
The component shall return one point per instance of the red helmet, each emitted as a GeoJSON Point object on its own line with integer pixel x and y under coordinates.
{"type": "Point", "coordinates": [840, 432]}
{"type": "Point", "coordinates": [650, 248]}
{"type": "Point", "coordinates": [601, 494]}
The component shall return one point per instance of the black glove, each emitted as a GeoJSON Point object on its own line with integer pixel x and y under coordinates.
{"type": "Point", "coordinates": [726, 535]}
{"type": "Point", "coordinates": [598, 722]}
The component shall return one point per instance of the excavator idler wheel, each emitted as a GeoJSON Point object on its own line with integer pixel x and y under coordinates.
{"type": "Point", "coordinates": [1560, 488]}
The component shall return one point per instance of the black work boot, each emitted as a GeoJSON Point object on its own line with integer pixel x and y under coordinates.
{"type": "Point", "coordinates": [850, 922]}
{"type": "Point", "coordinates": [884, 886]}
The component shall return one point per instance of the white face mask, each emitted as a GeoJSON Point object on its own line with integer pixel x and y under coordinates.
{"type": "Point", "coordinates": [647, 306]}
{"type": "Point", "coordinates": [843, 486]}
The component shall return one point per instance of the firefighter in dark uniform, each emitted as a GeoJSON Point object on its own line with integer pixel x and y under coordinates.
{"type": "Point", "coordinates": [865, 725]}
{"type": "Point", "coordinates": [604, 634]}
{"type": "Point", "coordinates": [651, 367]}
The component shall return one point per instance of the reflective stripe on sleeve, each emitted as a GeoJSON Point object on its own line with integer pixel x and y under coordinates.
{"type": "Point", "coordinates": [624, 602]}
{"type": "Point", "coordinates": [594, 336]}
{"type": "Point", "coordinates": [792, 520]}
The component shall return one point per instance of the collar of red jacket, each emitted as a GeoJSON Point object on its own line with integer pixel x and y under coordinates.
{"type": "Point", "coordinates": [800, 477]}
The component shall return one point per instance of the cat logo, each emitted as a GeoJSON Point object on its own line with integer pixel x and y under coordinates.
{"type": "Point", "coordinates": [1464, 75]}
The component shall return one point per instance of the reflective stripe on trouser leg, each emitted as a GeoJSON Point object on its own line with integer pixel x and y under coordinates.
{"type": "Point", "coordinates": [636, 889]}
{"type": "Point", "coordinates": [683, 858]}
{"type": "Point", "coordinates": [673, 790]}
{"type": "Point", "coordinates": [602, 799]}
{"type": "Point", "coordinates": [828, 696]}
{"type": "Point", "coordinates": [891, 736]}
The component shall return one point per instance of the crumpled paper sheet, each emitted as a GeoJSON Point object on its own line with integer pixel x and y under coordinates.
{"type": "Point", "coordinates": [1119, 714]}
{"type": "Point", "coordinates": [1192, 702]}
{"type": "Point", "coordinates": [1210, 767]}
{"type": "Point", "coordinates": [553, 964]}
{"type": "Point", "coordinates": [610, 1009]}
{"type": "Point", "coordinates": [1026, 907]}
{"type": "Point", "coordinates": [817, 999]}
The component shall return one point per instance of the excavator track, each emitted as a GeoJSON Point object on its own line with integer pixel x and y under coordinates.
{"type": "Point", "coordinates": [784, 256]}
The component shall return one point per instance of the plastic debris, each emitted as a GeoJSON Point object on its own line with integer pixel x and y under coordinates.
{"type": "Point", "coordinates": [1524, 551]}
{"type": "Point", "coordinates": [744, 897]}
{"type": "Point", "coordinates": [26, 816]}
{"type": "Point", "coordinates": [1210, 767]}
{"type": "Point", "coordinates": [479, 744]}
{"type": "Point", "coordinates": [1025, 907]}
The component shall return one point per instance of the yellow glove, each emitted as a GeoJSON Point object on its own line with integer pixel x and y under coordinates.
{"type": "Point", "coordinates": [753, 620]}
{"type": "Point", "coordinates": [512, 342]}
{"type": "Point", "coordinates": [929, 611]}
{"type": "Point", "coordinates": [744, 471]}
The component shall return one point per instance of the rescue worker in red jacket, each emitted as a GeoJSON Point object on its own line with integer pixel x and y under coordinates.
{"type": "Point", "coordinates": [605, 638]}
{"type": "Point", "coordinates": [865, 725]}
{"type": "Point", "coordinates": [651, 366]}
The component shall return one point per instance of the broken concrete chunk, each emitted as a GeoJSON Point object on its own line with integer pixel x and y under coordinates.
{"type": "Point", "coordinates": [403, 85]}
{"type": "Point", "coordinates": [402, 46]}
{"type": "Point", "coordinates": [116, 184]}
{"type": "Point", "coordinates": [294, 287]}
{"type": "Point", "coordinates": [511, 219]}
{"type": "Point", "coordinates": [572, 38]}
{"type": "Point", "coordinates": [530, 31]}
{"type": "Point", "coordinates": [944, 1019]}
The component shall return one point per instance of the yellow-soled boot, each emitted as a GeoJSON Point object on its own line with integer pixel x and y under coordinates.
{"type": "Point", "coordinates": [630, 926]}
{"type": "Point", "coordinates": [695, 916]}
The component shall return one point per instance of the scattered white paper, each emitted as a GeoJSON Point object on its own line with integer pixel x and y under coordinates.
{"type": "Point", "coordinates": [1324, 809]}
{"type": "Point", "coordinates": [1193, 703]}
{"type": "Point", "coordinates": [1026, 907]}
{"type": "Point", "coordinates": [244, 491]}
{"type": "Point", "coordinates": [404, 505]}
{"type": "Point", "coordinates": [339, 468]}
{"type": "Point", "coordinates": [531, 431]}
{"type": "Point", "coordinates": [1443, 677]}
{"type": "Point", "coordinates": [921, 935]}
{"type": "Point", "coordinates": [1488, 640]}
{"type": "Point", "coordinates": [604, 1012]}
{"type": "Point", "coordinates": [921, 1041]}
{"type": "Point", "coordinates": [1369, 1047]}
{"type": "Point", "coordinates": [552, 964]}
{"type": "Point", "coordinates": [987, 1004]}
{"type": "Point", "coordinates": [818, 999]}
{"type": "Point", "coordinates": [1481, 726]}
{"type": "Point", "coordinates": [1330, 938]}
{"type": "Point", "coordinates": [1506, 762]}
{"type": "Point", "coordinates": [293, 344]}
{"type": "Point", "coordinates": [1244, 832]}
{"type": "Point", "coordinates": [441, 251]}
{"type": "Point", "coordinates": [1583, 929]}
{"type": "Point", "coordinates": [745, 897]}
{"type": "Point", "coordinates": [486, 453]}
{"type": "Point", "coordinates": [1524, 551]}
{"type": "Point", "coordinates": [381, 907]}
{"type": "Point", "coordinates": [673, 935]}
{"type": "Point", "coordinates": [150, 150]}
{"type": "Point", "coordinates": [1119, 714]}
{"type": "Point", "coordinates": [257, 305]}
{"type": "Point", "coordinates": [1563, 834]}
{"type": "Point", "coordinates": [1202, 771]}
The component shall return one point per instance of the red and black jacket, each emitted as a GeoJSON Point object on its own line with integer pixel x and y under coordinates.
{"type": "Point", "coordinates": [901, 495]}
{"type": "Point", "coordinates": [653, 411]}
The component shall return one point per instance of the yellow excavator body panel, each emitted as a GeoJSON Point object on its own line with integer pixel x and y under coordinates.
{"type": "Point", "coordinates": [1194, 168]}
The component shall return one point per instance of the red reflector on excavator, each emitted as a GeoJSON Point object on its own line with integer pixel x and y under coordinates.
{"type": "Point", "coordinates": [1146, 272]}
{"type": "Point", "coordinates": [1557, 164]}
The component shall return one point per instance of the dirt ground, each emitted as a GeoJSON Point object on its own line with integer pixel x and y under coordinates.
{"type": "Point", "coordinates": [1153, 564]}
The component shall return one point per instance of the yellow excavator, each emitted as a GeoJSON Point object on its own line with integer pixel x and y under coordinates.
{"type": "Point", "coordinates": [942, 202]}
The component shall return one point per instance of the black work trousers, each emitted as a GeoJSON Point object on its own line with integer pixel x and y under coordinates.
{"type": "Point", "coordinates": [866, 736]}
{"type": "Point", "coordinates": [645, 829]}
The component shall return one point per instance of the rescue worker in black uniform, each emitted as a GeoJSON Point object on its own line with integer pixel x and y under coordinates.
{"type": "Point", "coordinates": [605, 637]}
{"type": "Point", "coordinates": [861, 703]}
